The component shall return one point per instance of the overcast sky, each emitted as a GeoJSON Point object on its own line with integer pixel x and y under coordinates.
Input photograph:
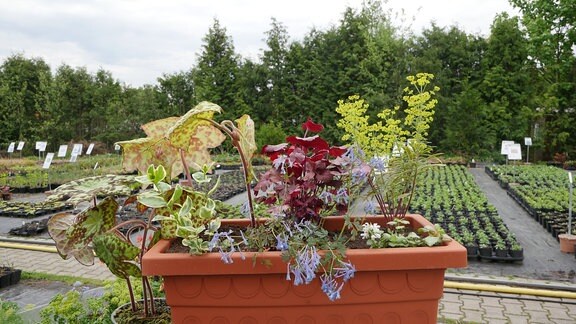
{"type": "Point", "coordinates": [139, 40]}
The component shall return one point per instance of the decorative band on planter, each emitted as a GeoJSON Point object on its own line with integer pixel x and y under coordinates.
{"type": "Point", "coordinates": [392, 285]}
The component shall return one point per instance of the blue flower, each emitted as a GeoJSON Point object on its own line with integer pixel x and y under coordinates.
{"type": "Point", "coordinates": [346, 272]}
{"type": "Point", "coordinates": [370, 207]}
{"type": "Point", "coordinates": [281, 242]}
{"type": "Point", "coordinates": [331, 287]}
{"type": "Point", "coordinates": [378, 163]}
{"type": "Point", "coordinates": [305, 264]}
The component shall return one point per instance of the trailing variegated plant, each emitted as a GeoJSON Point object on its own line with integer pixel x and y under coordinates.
{"type": "Point", "coordinates": [174, 145]}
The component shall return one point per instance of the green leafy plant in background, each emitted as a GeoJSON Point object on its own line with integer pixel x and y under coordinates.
{"type": "Point", "coordinates": [9, 312]}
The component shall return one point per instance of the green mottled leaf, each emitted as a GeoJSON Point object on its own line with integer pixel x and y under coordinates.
{"type": "Point", "coordinates": [58, 226]}
{"type": "Point", "coordinates": [168, 229]}
{"type": "Point", "coordinates": [140, 153]}
{"type": "Point", "coordinates": [74, 233]}
{"type": "Point", "coordinates": [86, 189]}
{"type": "Point", "coordinates": [118, 255]}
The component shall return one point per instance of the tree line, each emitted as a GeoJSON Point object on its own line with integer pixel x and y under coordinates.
{"type": "Point", "coordinates": [519, 81]}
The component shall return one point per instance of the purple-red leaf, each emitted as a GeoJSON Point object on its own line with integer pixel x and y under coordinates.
{"type": "Point", "coordinates": [311, 126]}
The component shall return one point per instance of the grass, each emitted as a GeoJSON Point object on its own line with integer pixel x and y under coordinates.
{"type": "Point", "coordinates": [30, 275]}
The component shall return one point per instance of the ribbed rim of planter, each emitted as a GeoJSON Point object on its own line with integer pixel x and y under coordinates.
{"type": "Point", "coordinates": [451, 255]}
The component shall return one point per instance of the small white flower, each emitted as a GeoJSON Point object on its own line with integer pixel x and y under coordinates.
{"type": "Point", "coordinates": [371, 231]}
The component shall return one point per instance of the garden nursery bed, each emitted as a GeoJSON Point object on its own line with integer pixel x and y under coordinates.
{"type": "Point", "coordinates": [541, 190]}
{"type": "Point", "coordinates": [449, 196]}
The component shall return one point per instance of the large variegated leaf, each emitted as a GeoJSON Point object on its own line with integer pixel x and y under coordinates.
{"type": "Point", "coordinates": [247, 142]}
{"type": "Point", "coordinates": [86, 189]}
{"type": "Point", "coordinates": [74, 233]}
{"type": "Point", "coordinates": [140, 153]}
{"type": "Point", "coordinates": [181, 133]}
{"type": "Point", "coordinates": [158, 128]}
{"type": "Point", "coordinates": [118, 255]}
{"type": "Point", "coordinates": [58, 227]}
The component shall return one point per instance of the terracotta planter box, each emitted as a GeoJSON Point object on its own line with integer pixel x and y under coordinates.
{"type": "Point", "coordinates": [399, 285]}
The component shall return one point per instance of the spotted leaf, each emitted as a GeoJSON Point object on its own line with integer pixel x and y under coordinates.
{"type": "Point", "coordinates": [120, 256]}
{"type": "Point", "coordinates": [74, 233]}
{"type": "Point", "coordinates": [185, 130]}
{"type": "Point", "coordinates": [158, 128]}
{"type": "Point", "coordinates": [86, 189]}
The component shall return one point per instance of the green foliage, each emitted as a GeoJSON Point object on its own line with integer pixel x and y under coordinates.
{"type": "Point", "coordinates": [396, 144]}
{"type": "Point", "coordinates": [523, 71]}
{"type": "Point", "coordinates": [398, 233]}
{"type": "Point", "coordinates": [269, 133]}
{"type": "Point", "coordinates": [73, 307]}
{"type": "Point", "coordinates": [9, 312]}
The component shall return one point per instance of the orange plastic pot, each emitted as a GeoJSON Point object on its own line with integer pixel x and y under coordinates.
{"type": "Point", "coordinates": [567, 242]}
{"type": "Point", "coordinates": [400, 285]}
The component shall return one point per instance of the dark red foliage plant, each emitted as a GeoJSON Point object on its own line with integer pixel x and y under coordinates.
{"type": "Point", "coordinates": [309, 178]}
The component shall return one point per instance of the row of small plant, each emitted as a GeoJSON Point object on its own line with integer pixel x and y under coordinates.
{"type": "Point", "coordinates": [448, 195]}
{"type": "Point", "coordinates": [543, 191]}
{"type": "Point", "coordinates": [27, 174]}
{"type": "Point", "coordinates": [30, 210]}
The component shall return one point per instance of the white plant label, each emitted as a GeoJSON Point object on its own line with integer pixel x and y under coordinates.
{"type": "Point", "coordinates": [116, 147]}
{"type": "Point", "coordinates": [505, 148]}
{"type": "Point", "coordinates": [77, 149]}
{"type": "Point", "coordinates": [515, 152]}
{"type": "Point", "coordinates": [528, 141]}
{"type": "Point", "coordinates": [11, 147]}
{"type": "Point", "coordinates": [62, 150]}
{"type": "Point", "coordinates": [90, 148]}
{"type": "Point", "coordinates": [48, 160]}
{"type": "Point", "coordinates": [73, 158]}
{"type": "Point", "coordinates": [41, 146]}
{"type": "Point", "coordinates": [20, 146]}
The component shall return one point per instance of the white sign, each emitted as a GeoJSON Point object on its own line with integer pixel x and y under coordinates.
{"type": "Point", "coordinates": [73, 158]}
{"type": "Point", "coordinates": [77, 149]}
{"type": "Point", "coordinates": [527, 141]}
{"type": "Point", "coordinates": [117, 147]}
{"type": "Point", "coordinates": [505, 148]}
{"type": "Point", "coordinates": [41, 146]}
{"type": "Point", "coordinates": [89, 150]}
{"type": "Point", "coordinates": [11, 147]}
{"type": "Point", "coordinates": [62, 150]}
{"type": "Point", "coordinates": [20, 146]}
{"type": "Point", "coordinates": [515, 152]}
{"type": "Point", "coordinates": [48, 160]}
